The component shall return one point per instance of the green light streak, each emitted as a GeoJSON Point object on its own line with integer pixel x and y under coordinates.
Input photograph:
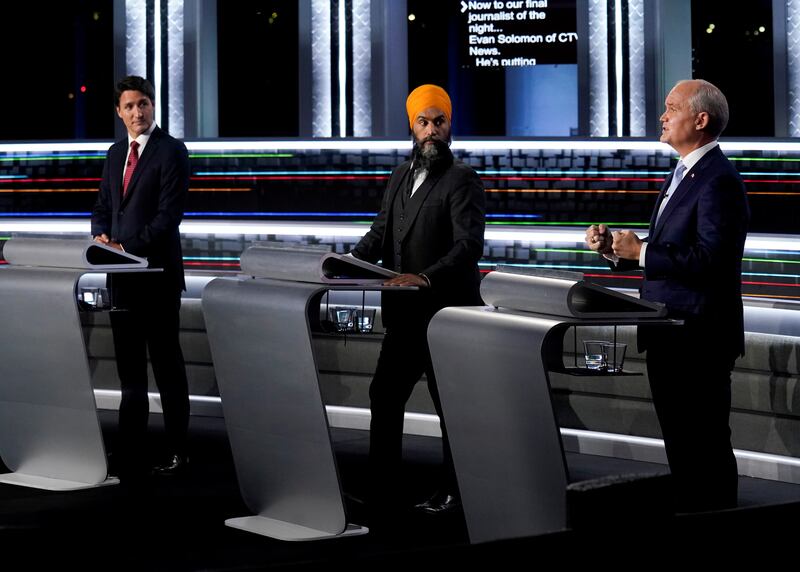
{"type": "Point", "coordinates": [517, 223]}
{"type": "Point", "coordinates": [767, 159]}
{"type": "Point", "coordinates": [771, 260]}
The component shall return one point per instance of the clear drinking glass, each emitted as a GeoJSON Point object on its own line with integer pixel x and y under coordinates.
{"type": "Point", "coordinates": [343, 318]}
{"type": "Point", "coordinates": [615, 356]}
{"type": "Point", "coordinates": [365, 320]}
{"type": "Point", "coordinates": [593, 354]}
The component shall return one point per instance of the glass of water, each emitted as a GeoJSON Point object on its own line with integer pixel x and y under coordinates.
{"type": "Point", "coordinates": [365, 320]}
{"type": "Point", "coordinates": [343, 318]}
{"type": "Point", "coordinates": [615, 356]}
{"type": "Point", "coordinates": [594, 355]}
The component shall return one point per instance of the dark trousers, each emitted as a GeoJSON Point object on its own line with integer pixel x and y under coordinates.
{"type": "Point", "coordinates": [403, 359]}
{"type": "Point", "coordinates": [690, 379]}
{"type": "Point", "coordinates": [150, 324]}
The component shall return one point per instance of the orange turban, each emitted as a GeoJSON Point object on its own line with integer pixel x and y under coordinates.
{"type": "Point", "coordinates": [426, 96]}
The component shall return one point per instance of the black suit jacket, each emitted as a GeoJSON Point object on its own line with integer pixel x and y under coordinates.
{"type": "Point", "coordinates": [146, 220]}
{"type": "Point", "coordinates": [693, 262]}
{"type": "Point", "coordinates": [444, 240]}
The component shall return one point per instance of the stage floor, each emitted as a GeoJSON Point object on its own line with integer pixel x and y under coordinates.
{"type": "Point", "coordinates": [177, 523]}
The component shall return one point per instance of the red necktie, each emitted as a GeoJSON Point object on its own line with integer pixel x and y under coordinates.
{"type": "Point", "coordinates": [133, 158]}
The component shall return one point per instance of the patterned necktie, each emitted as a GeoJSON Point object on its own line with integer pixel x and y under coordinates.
{"type": "Point", "coordinates": [677, 177]}
{"type": "Point", "coordinates": [133, 158]}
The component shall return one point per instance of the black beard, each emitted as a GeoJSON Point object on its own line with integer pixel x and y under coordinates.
{"type": "Point", "coordinates": [432, 157]}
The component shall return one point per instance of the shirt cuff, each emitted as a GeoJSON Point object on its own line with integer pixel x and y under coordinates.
{"type": "Point", "coordinates": [641, 254]}
{"type": "Point", "coordinates": [427, 280]}
{"type": "Point", "coordinates": [612, 257]}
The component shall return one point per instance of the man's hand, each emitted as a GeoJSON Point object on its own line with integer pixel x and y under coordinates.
{"type": "Point", "coordinates": [103, 239]}
{"type": "Point", "coordinates": [598, 238]}
{"type": "Point", "coordinates": [407, 280]}
{"type": "Point", "coordinates": [626, 244]}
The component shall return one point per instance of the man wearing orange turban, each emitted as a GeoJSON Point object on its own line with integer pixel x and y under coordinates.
{"type": "Point", "coordinates": [430, 231]}
{"type": "Point", "coordinates": [426, 96]}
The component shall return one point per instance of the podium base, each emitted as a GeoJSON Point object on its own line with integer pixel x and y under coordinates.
{"type": "Point", "coordinates": [281, 530]}
{"type": "Point", "coordinates": [50, 484]}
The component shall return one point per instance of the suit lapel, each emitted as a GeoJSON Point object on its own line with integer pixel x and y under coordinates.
{"type": "Point", "coordinates": [117, 168]}
{"type": "Point", "coordinates": [684, 190]}
{"type": "Point", "coordinates": [402, 182]}
{"type": "Point", "coordinates": [660, 198]}
{"type": "Point", "coordinates": [415, 203]}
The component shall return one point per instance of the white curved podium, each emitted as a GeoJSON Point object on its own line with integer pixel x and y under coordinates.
{"type": "Point", "coordinates": [506, 445]}
{"type": "Point", "coordinates": [259, 330]}
{"type": "Point", "coordinates": [49, 432]}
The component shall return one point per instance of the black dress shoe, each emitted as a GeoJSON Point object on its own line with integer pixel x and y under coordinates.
{"type": "Point", "coordinates": [176, 465]}
{"type": "Point", "coordinates": [440, 503]}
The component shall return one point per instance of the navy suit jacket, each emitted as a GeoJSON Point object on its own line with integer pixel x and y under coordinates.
{"type": "Point", "coordinates": [444, 240]}
{"type": "Point", "coordinates": [146, 220]}
{"type": "Point", "coordinates": [693, 262]}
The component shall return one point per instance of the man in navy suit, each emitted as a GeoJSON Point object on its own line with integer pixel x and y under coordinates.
{"type": "Point", "coordinates": [692, 264]}
{"type": "Point", "coordinates": [139, 207]}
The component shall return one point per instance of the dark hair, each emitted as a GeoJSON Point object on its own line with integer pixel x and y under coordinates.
{"type": "Point", "coordinates": [134, 83]}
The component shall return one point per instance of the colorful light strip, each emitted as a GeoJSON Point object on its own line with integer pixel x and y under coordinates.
{"type": "Point", "coordinates": [766, 159]}
{"type": "Point", "coordinates": [56, 190]}
{"type": "Point", "coordinates": [556, 266]}
{"type": "Point", "coordinates": [581, 224]}
{"type": "Point", "coordinates": [770, 251]}
{"type": "Point", "coordinates": [213, 258]}
{"type": "Point", "coordinates": [770, 275]}
{"type": "Point", "coordinates": [224, 155]}
{"type": "Point", "coordinates": [580, 191]}
{"type": "Point", "coordinates": [771, 193]}
{"type": "Point", "coordinates": [290, 173]}
{"type": "Point", "coordinates": [214, 264]}
{"type": "Point", "coordinates": [628, 179]}
{"type": "Point", "coordinates": [749, 283]}
{"type": "Point", "coordinates": [25, 179]}
{"type": "Point", "coordinates": [299, 178]}
{"type": "Point", "coordinates": [51, 157]}
{"type": "Point", "coordinates": [763, 243]}
{"type": "Point", "coordinates": [778, 296]}
{"type": "Point", "coordinates": [94, 190]}
{"type": "Point", "coordinates": [770, 182]}
{"type": "Point", "coordinates": [771, 260]}
{"type": "Point", "coordinates": [45, 215]}
{"type": "Point", "coordinates": [223, 149]}
{"type": "Point", "coordinates": [566, 172]}
{"type": "Point", "coordinates": [280, 214]}
{"type": "Point", "coordinates": [567, 144]}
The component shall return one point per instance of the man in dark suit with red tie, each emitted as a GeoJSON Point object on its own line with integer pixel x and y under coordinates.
{"type": "Point", "coordinates": [692, 263]}
{"type": "Point", "coordinates": [429, 230]}
{"type": "Point", "coordinates": [139, 208]}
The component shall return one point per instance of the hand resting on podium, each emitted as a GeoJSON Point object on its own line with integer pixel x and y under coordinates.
{"type": "Point", "coordinates": [418, 280]}
{"type": "Point", "coordinates": [103, 239]}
